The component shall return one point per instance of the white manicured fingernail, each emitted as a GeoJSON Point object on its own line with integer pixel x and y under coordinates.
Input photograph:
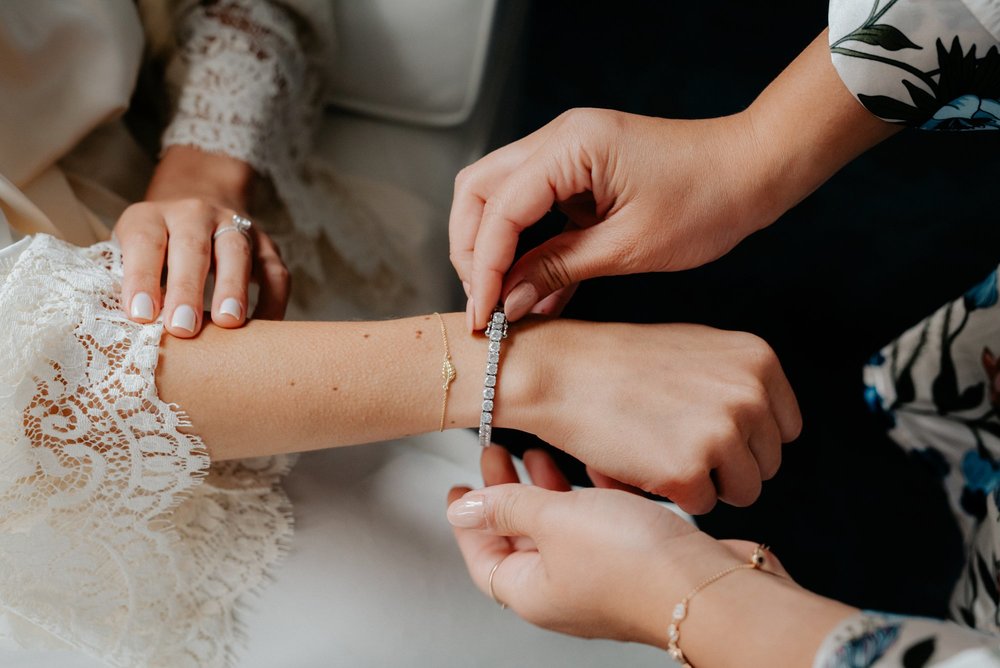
{"type": "Point", "coordinates": [231, 307]}
{"type": "Point", "coordinates": [184, 318]}
{"type": "Point", "coordinates": [142, 306]}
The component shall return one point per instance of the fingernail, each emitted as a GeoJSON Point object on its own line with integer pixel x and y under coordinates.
{"type": "Point", "coordinates": [470, 314]}
{"type": "Point", "coordinates": [184, 318]}
{"type": "Point", "coordinates": [467, 513]}
{"type": "Point", "coordinates": [467, 288]}
{"type": "Point", "coordinates": [520, 300]}
{"type": "Point", "coordinates": [142, 306]}
{"type": "Point", "coordinates": [231, 307]}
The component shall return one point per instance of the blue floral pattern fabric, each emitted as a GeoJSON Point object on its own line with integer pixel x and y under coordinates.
{"type": "Point", "coordinates": [938, 387]}
{"type": "Point", "coordinates": [930, 64]}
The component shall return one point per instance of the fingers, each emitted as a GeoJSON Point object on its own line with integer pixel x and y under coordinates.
{"type": "Point", "coordinates": [142, 235]}
{"type": "Point", "coordinates": [602, 481]}
{"type": "Point", "coordinates": [497, 466]}
{"type": "Point", "coordinates": [189, 257]}
{"type": "Point", "coordinates": [233, 264]}
{"type": "Point", "coordinates": [473, 186]}
{"type": "Point", "coordinates": [544, 472]}
{"type": "Point", "coordinates": [505, 510]}
{"type": "Point", "coordinates": [273, 278]}
{"type": "Point", "coordinates": [560, 262]}
{"type": "Point", "coordinates": [737, 478]}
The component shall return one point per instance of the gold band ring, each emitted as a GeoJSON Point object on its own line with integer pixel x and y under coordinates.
{"type": "Point", "coordinates": [493, 593]}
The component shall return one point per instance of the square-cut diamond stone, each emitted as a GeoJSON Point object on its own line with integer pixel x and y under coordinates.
{"type": "Point", "coordinates": [489, 392]}
{"type": "Point", "coordinates": [488, 405]}
{"type": "Point", "coordinates": [491, 381]}
{"type": "Point", "coordinates": [491, 369]}
{"type": "Point", "coordinates": [486, 418]}
{"type": "Point", "coordinates": [494, 346]}
{"type": "Point", "coordinates": [493, 358]}
{"type": "Point", "coordinates": [496, 334]}
{"type": "Point", "coordinates": [498, 317]}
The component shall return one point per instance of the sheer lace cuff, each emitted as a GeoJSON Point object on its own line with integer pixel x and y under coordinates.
{"type": "Point", "coordinates": [116, 536]}
{"type": "Point", "coordinates": [242, 84]}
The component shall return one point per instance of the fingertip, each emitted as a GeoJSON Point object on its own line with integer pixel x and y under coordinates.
{"type": "Point", "coordinates": [183, 322]}
{"type": "Point", "coordinates": [229, 314]}
{"type": "Point", "coordinates": [142, 308]}
{"type": "Point", "coordinates": [457, 492]}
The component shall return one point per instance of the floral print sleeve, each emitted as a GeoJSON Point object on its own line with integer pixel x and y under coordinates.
{"type": "Point", "coordinates": [876, 640]}
{"type": "Point", "coordinates": [930, 64]}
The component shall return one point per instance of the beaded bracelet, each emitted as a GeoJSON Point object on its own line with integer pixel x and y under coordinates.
{"type": "Point", "coordinates": [680, 610]}
{"type": "Point", "coordinates": [496, 330]}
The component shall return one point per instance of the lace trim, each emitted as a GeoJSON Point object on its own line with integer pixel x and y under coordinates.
{"type": "Point", "coordinates": [244, 87]}
{"type": "Point", "coordinates": [115, 534]}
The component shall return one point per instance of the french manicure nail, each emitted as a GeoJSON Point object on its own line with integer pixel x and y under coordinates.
{"type": "Point", "coordinates": [470, 314]}
{"type": "Point", "coordinates": [184, 318]}
{"type": "Point", "coordinates": [467, 513]}
{"type": "Point", "coordinates": [520, 300]}
{"type": "Point", "coordinates": [231, 307]}
{"type": "Point", "coordinates": [142, 306]}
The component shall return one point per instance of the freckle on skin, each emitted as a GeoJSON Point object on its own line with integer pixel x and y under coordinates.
{"type": "Point", "coordinates": [367, 335]}
{"type": "Point", "coordinates": [420, 333]}
{"type": "Point", "coordinates": [291, 383]}
{"type": "Point", "coordinates": [336, 389]}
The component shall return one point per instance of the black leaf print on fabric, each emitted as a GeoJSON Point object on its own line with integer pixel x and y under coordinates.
{"type": "Point", "coordinates": [987, 579]}
{"type": "Point", "coordinates": [885, 36]}
{"type": "Point", "coordinates": [919, 654]}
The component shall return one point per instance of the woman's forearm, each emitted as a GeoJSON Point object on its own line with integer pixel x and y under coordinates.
{"type": "Point", "coordinates": [276, 387]}
{"type": "Point", "coordinates": [807, 125]}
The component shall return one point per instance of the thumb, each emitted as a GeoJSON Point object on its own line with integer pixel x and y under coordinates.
{"type": "Point", "coordinates": [505, 510]}
{"type": "Point", "coordinates": [564, 260]}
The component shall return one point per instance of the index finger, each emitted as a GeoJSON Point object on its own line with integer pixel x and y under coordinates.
{"type": "Point", "coordinates": [472, 188]}
{"type": "Point", "coordinates": [548, 176]}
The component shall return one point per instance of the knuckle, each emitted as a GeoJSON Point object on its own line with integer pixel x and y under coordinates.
{"type": "Point", "coordinates": [465, 177]}
{"type": "Point", "coordinates": [192, 207]}
{"type": "Point", "coordinates": [199, 246]}
{"type": "Point", "coordinates": [503, 512]}
{"type": "Point", "coordinates": [756, 351]}
{"type": "Point", "coordinates": [554, 271]}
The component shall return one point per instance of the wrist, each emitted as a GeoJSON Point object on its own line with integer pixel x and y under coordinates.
{"type": "Point", "coordinates": [749, 617]}
{"type": "Point", "coordinates": [186, 171]}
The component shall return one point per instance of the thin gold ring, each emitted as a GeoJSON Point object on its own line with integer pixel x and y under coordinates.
{"type": "Point", "coordinates": [493, 593]}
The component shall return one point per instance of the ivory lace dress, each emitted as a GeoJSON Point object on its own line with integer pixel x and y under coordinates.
{"type": "Point", "coordinates": [118, 537]}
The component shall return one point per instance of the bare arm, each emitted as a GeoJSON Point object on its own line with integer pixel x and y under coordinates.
{"type": "Point", "coordinates": [605, 393]}
{"type": "Point", "coordinates": [281, 387]}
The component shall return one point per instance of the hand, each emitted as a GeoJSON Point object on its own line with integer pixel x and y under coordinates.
{"type": "Point", "coordinates": [589, 562]}
{"type": "Point", "coordinates": [683, 411]}
{"type": "Point", "coordinates": [647, 194]}
{"type": "Point", "coordinates": [603, 563]}
{"type": "Point", "coordinates": [642, 194]}
{"type": "Point", "coordinates": [192, 195]}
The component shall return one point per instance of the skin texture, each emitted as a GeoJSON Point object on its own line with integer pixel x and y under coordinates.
{"type": "Point", "coordinates": [647, 194]}
{"type": "Point", "coordinates": [191, 195]}
{"type": "Point", "coordinates": [685, 411]}
{"type": "Point", "coordinates": [641, 559]}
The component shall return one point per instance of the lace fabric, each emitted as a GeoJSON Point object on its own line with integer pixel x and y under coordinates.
{"type": "Point", "coordinates": [245, 85]}
{"type": "Point", "coordinates": [117, 535]}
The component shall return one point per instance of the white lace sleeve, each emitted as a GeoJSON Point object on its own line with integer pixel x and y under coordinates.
{"type": "Point", "coordinates": [117, 537]}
